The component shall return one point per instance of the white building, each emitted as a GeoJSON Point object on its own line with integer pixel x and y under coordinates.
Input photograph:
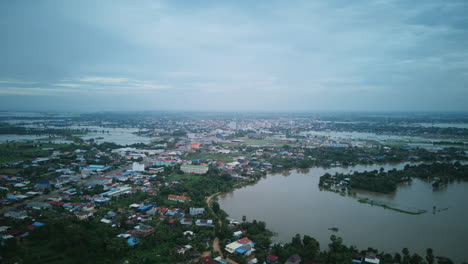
{"type": "Point", "coordinates": [196, 211]}
{"type": "Point", "coordinates": [138, 167]}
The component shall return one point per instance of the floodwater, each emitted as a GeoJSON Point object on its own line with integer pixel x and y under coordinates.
{"type": "Point", "coordinates": [414, 141]}
{"type": "Point", "coordinates": [292, 203]}
{"type": "Point", "coordinates": [121, 136]}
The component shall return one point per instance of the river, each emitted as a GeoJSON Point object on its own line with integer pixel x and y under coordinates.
{"type": "Point", "coordinates": [292, 203]}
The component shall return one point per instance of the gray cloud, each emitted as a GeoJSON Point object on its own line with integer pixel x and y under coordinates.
{"type": "Point", "coordinates": [243, 55]}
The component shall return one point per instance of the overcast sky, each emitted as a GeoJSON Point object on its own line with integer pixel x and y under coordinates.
{"type": "Point", "coordinates": [234, 55]}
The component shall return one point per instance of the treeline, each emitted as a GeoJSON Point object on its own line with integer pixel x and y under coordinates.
{"type": "Point", "coordinates": [309, 250]}
{"type": "Point", "coordinates": [68, 241]}
{"type": "Point", "coordinates": [16, 130]}
{"type": "Point", "coordinates": [387, 181]}
{"type": "Point", "coordinates": [395, 129]}
{"type": "Point", "coordinates": [325, 156]}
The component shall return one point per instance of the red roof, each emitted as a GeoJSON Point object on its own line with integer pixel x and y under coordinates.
{"type": "Point", "coordinates": [272, 258]}
{"type": "Point", "coordinates": [195, 145]}
{"type": "Point", "coordinates": [244, 240]}
{"type": "Point", "coordinates": [55, 203]}
{"type": "Point", "coordinates": [172, 196]}
{"type": "Point", "coordinates": [208, 260]}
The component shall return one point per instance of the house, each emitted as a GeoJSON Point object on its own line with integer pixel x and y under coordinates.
{"type": "Point", "coordinates": [152, 211]}
{"type": "Point", "coordinates": [357, 259]}
{"type": "Point", "coordinates": [146, 207]}
{"type": "Point", "coordinates": [371, 258]}
{"type": "Point", "coordinates": [272, 259]}
{"type": "Point", "coordinates": [294, 259]}
{"type": "Point", "coordinates": [196, 211]}
{"type": "Point", "coordinates": [39, 205]}
{"type": "Point", "coordinates": [143, 231]}
{"type": "Point", "coordinates": [132, 241]}
{"type": "Point", "coordinates": [242, 246]}
{"type": "Point", "coordinates": [177, 198]}
{"type": "Point", "coordinates": [83, 215]}
{"type": "Point", "coordinates": [186, 221]}
{"type": "Point", "coordinates": [35, 225]}
{"type": "Point", "coordinates": [106, 221]}
{"type": "Point", "coordinates": [204, 222]}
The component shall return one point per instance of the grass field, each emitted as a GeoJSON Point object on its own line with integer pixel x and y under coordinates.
{"type": "Point", "coordinates": [217, 157]}
{"type": "Point", "coordinates": [12, 152]}
{"type": "Point", "coordinates": [260, 142]}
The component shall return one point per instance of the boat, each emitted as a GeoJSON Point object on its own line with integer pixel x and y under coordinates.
{"type": "Point", "coordinates": [334, 229]}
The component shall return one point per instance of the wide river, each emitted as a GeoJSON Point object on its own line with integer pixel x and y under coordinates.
{"type": "Point", "coordinates": [292, 203]}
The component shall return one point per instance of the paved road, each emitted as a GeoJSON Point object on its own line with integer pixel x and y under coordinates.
{"type": "Point", "coordinates": [216, 246]}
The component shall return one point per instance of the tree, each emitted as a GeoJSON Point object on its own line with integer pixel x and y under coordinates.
{"type": "Point", "coordinates": [296, 241]}
{"type": "Point", "coordinates": [405, 252]}
{"type": "Point", "coordinates": [429, 256]}
{"type": "Point", "coordinates": [397, 258]}
{"type": "Point", "coordinates": [244, 218]}
{"type": "Point", "coordinates": [215, 207]}
{"type": "Point", "coordinates": [311, 247]}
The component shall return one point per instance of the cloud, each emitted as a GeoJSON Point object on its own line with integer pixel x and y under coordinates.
{"type": "Point", "coordinates": [15, 82]}
{"type": "Point", "coordinates": [301, 55]}
{"type": "Point", "coordinates": [103, 80]}
{"type": "Point", "coordinates": [71, 85]}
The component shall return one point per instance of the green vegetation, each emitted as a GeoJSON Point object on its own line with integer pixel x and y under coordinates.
{"type": "Point", "coordinates": [258, 142]}
{"type": "Point", "coordinates": [309, 250]}
{"type": "Point", "coordinates": [388, 181]}
{"type": "Point", "coordinates": [14, 151]}
{"type": "Point", "coordinates": [386, 206]}
{"type": "Point", "coordinates": [69, 241]}
{"type": "Point", "coordinates": [325, 156]}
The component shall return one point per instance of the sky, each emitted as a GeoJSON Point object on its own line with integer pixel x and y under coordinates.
{"type": "Point", "coordinates": [333, 55]}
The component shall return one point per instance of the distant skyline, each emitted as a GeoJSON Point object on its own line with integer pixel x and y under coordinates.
{"type": "Point", "coordinates": [238, 56]}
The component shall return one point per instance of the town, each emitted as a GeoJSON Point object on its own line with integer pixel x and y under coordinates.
{"type": "Point", "coordinates": [126, 199]}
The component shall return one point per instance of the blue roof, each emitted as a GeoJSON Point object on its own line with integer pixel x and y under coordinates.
{"type": "Point", "coordinates": [96, 166]}
{"type": "Point", "coordinates": [241, 250]}
{"type": "Point", "coordinates": [110, 191]}
{"type": "Point", "coordinates": [146, 207]}
{"type": "Point", "coordinates": [38, 224]}
{"type": "Point", "coordinates": [132, 241]}
{"type": "Point", "coordinates": [267, 164]}
{"type": "Point", "coordinates": [43, 182]}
